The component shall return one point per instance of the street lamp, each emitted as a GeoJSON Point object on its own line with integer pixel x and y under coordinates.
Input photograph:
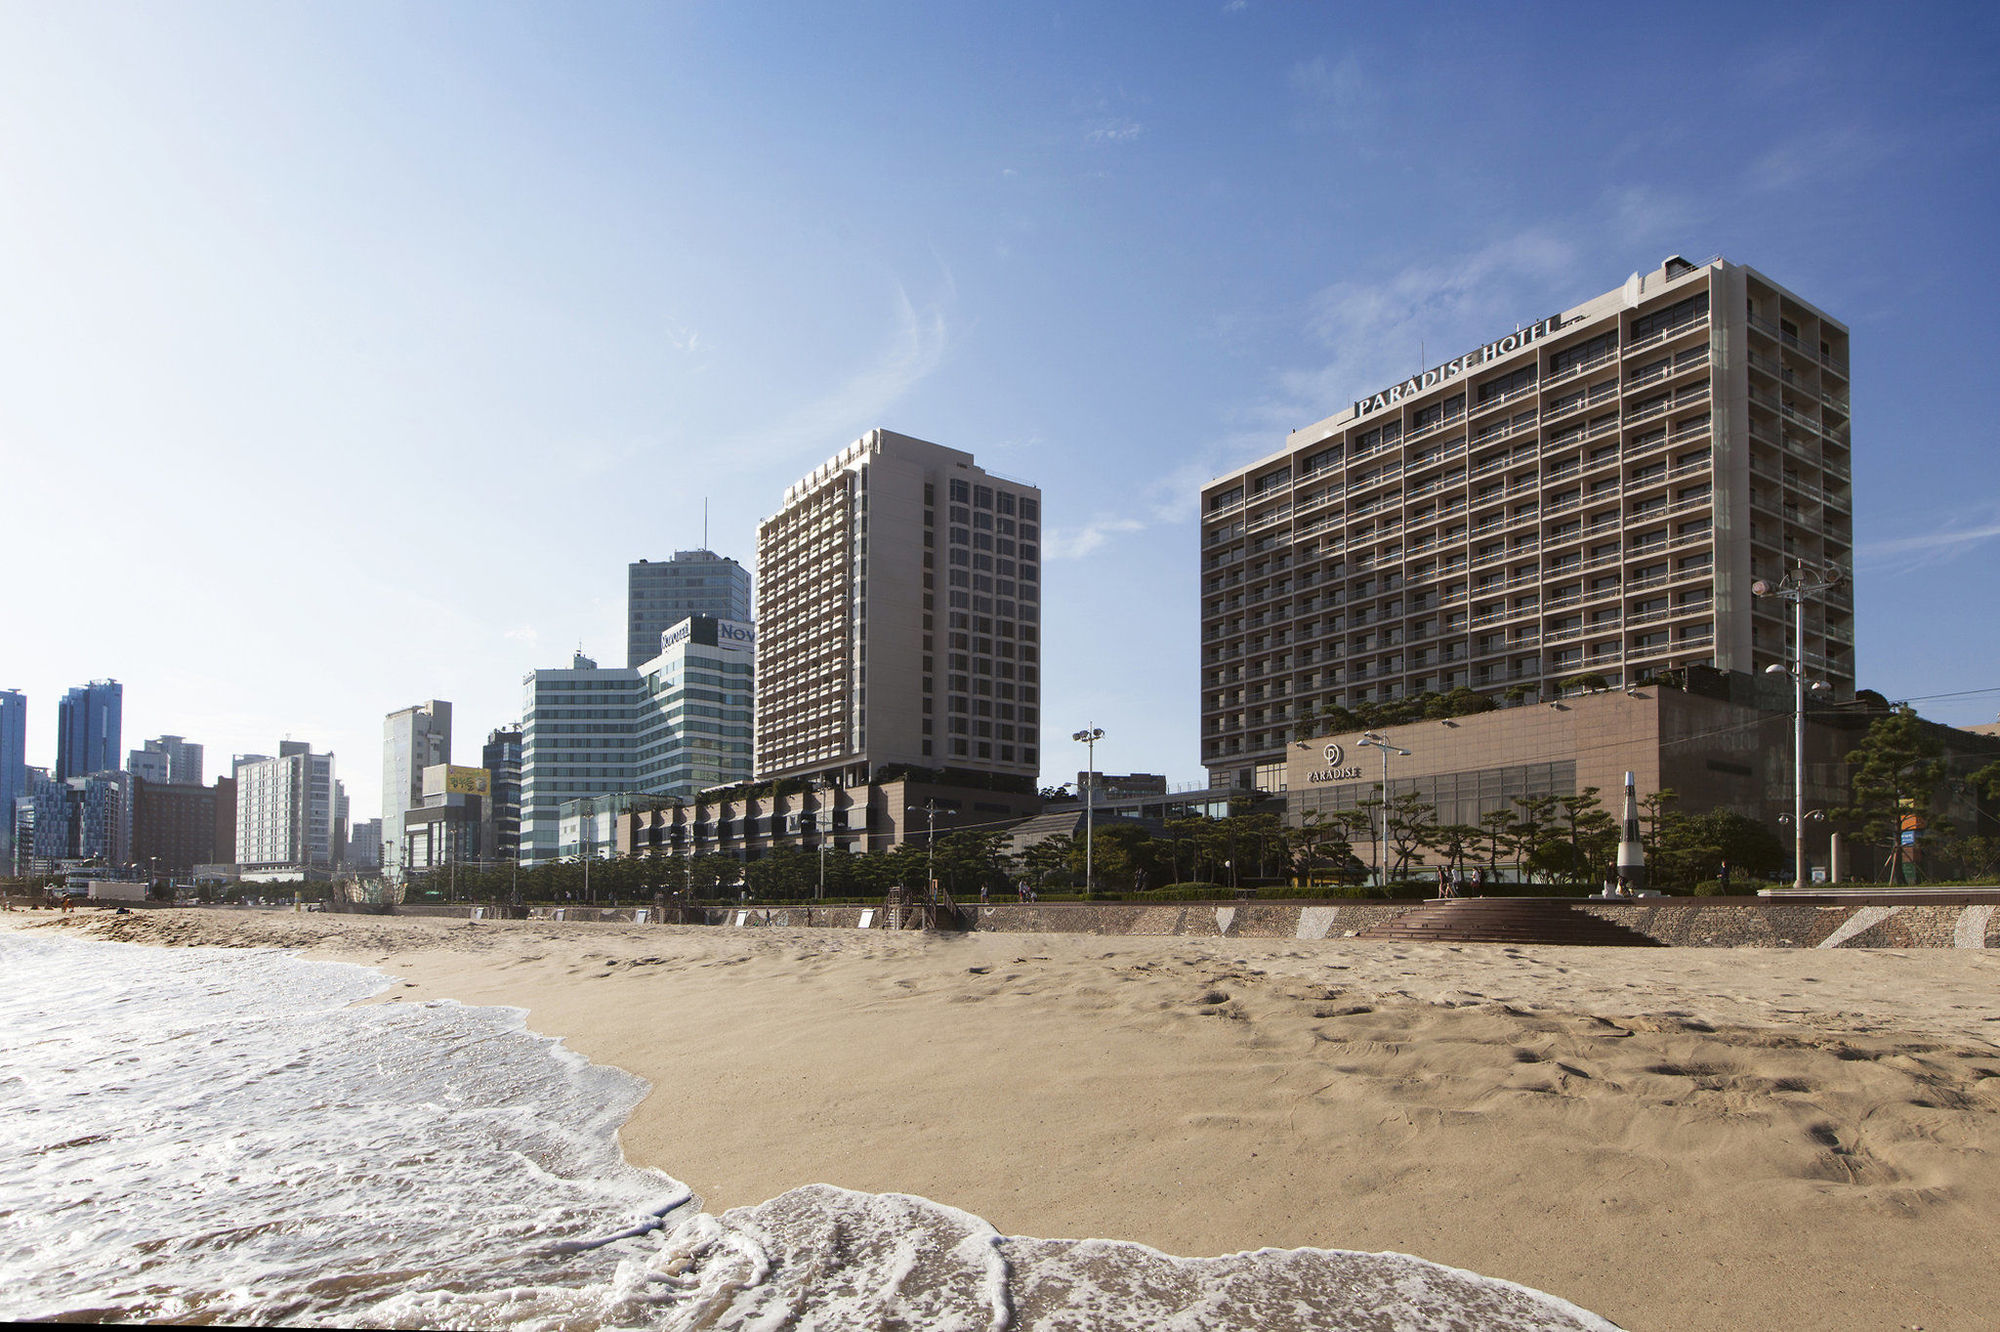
{"type": "Point", "coordinates": [823, 824]}
{"type": "Point", "coordinates": [1795, 587]}
{"type": "Point", "coordinates": [1089, 737]}
{"type": "Point", "coordinates": [1372, 740]}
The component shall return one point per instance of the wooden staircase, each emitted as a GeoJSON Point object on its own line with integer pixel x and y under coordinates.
{"type": "Point", "coordinates": [1515, 920]}
{"type": "Point", "coordinates": [921, 909]}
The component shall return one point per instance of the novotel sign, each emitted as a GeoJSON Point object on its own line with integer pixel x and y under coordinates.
{"type": "Point", "coordinates": [1333, 771]}
{"type": "Point", "coordinates": [1457, 366]}
{"type": "Point", "coordinates": [729, 635]}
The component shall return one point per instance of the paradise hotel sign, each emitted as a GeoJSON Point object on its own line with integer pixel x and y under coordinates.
{"type": "Point", "coordinates": [1451, 369]}
{"type": "Point", "coordinates": [1333, 772]}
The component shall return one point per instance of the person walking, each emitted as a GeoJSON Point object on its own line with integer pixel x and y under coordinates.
{"type": "Point", "coordinates": [1722, 878]}
{"type": "Point", "coordinates": [1478, 881]}
{"type": "Point", "coordinates": [1444, 882]}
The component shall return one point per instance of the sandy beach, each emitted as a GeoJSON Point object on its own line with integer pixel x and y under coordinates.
{"type": "Point", "coordinates": [1674, 1138]}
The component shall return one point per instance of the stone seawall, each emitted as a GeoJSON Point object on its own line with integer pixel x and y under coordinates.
{"type": "Point", "coordinates": [1683, 922]}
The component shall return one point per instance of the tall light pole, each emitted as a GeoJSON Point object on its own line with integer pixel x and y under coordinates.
{"type": "Point", "coordinates": [823, 824]}
{"type": "Point", "coordinates": [1382, 841]}
{"type": "Point", "coordinates": [930, 845]}
{"type": "Point", "coordinates": [1089, 737]}
{"type": "Point", "coordinates": [1795, 587]}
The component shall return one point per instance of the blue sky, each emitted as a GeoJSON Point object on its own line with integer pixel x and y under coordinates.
{"type": "Point", "coordinates": [348, 352]}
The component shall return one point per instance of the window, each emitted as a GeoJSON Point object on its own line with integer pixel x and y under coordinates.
{"type": "Point", "coordinates": [1571, 357]}
{"type": "Point", "coordinates": [1681, 312]}
{"type": "Point", "coordinates": [1504, 384]}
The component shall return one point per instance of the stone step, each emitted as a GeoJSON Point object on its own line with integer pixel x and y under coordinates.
{"type": "Point", "coordinates": [1507, 920]}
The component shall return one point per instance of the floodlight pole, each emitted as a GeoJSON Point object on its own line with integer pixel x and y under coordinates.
{"type": "Point", "coordinates": [1795, 587]}
{"type": "Point", "coordinates": [1089, 736]}
{"type": "Point", "coordinates": [824, 825]}
{"type": "Point", "coordinates": [1382, 842]}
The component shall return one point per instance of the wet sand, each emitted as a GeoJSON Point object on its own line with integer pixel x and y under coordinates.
{"type": "Point", "coordinates": [1674, 1138]}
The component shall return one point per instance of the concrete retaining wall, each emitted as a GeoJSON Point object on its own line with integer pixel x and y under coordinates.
{"type": "Point", "coordinates": [1683, 922]}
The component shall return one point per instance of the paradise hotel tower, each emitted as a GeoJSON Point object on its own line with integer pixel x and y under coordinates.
{"type": "Point", "coordinates": [899, 618]}
{"type": "Point", "coordinates": [1590, 494]}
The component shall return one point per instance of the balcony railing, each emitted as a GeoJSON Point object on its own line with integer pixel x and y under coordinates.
{"type": "Point", "coordinates": [1668, 371]}
{"type": "Point", "coordinates": [1667, 334]}
{"type": "Point", "coordinates": [1501, 400]}
{"type": "Point", "coordinates": [1563, 376]}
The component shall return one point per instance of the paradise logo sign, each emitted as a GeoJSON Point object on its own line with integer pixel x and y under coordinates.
{"type": "Point", "coordinates": [1333, 772]}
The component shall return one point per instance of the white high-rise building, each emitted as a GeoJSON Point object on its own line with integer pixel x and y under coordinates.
{"type": "Point", "coordinates": [413, 738]}
{"type": "Point", "coordinates": [577, 725]}
{"type": "Point", "coordinates": [674, 727]}
{"type": "Point", "coordinates": [899, 618]}
{"type": "Point", "coordinates": [287, 810]}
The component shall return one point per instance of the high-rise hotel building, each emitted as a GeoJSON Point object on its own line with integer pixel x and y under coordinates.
{"type": "Point", "coordinates": [899, 618]}
{"type": "Point", "coordinates": [1591, 494]}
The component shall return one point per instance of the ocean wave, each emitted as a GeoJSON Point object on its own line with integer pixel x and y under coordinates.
{"type": "Point", "coordinates": [827, 1258]}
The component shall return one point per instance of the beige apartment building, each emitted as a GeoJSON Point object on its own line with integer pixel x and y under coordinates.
{"type": "Point", "coordinates": [1590, 494]}
{"type": "Point", "coordinates": [899, 619]}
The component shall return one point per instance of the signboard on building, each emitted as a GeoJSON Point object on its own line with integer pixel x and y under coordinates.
{"type": "Point", "coordinates": [466, 781]}
{"type": "Point", "coordinates": [1430, 379]}
{"type": "Point", "coordinates": [705, 631]}
{"type": "Point", "coordinates": [1335, 771]}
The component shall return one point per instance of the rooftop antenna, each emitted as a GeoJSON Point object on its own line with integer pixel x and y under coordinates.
{"type": "Point", "coordinates": [704, 522]}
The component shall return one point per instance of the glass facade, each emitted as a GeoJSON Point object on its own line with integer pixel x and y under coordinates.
{"type": "Point", "coordinates": [13, 763]}
{"type": "Point", "coordinates": [674, 728]}
{"type": "Point", "coordinates": [661, 595]}
{"type": "Point", "coordinates": [88, 724]}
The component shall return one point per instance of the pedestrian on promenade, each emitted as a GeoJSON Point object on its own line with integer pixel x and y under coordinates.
{"type": "Point", "coordinates": [1444, 882]}
{"type": "Point", "coordinates": [1722, 878]}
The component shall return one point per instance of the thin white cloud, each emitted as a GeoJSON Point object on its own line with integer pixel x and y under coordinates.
{"type": "Point", "coordinates": [1935, 546]}
{"type": "Point", "coordinates": [1074, 543]}
{"type": "Point", "coordinates": [1342, 98]}
{"type": "Point", "coordinates": [1384, 329]}
{"type": "Point", "coordinates": [1373, 331]}
{"type": "Point", "coordinates": [1643, 218]}
{"type": "Point", "coordinates": [1343, 83]}
{"type": "Point", "coordinates": [821, 426]}
{"type": "Point", "coordinates": [1116, 131]}
{"type": "Point", "coordinates": [1827, 154]}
